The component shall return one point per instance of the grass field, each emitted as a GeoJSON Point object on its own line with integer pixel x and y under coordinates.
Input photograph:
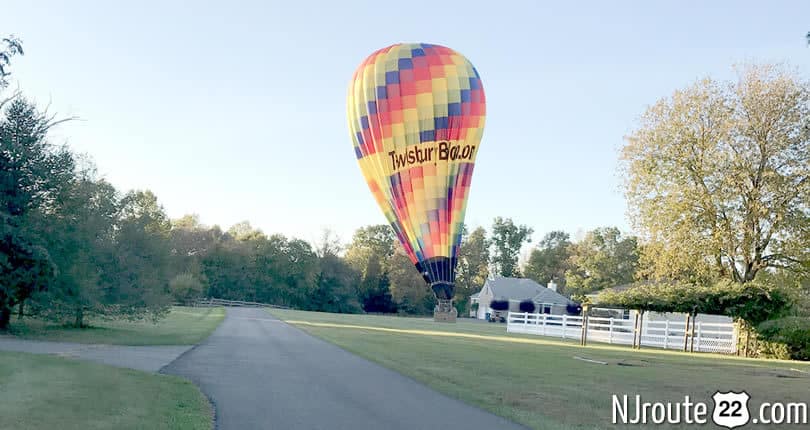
{"type": "Point", "coordinates": [182, 326]}
{"type": "Point", "coordinates": [47, 392]}
{"type": "Point", "coordinates": [535, 380]}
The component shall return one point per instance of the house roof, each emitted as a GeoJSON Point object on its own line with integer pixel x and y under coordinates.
{"type": "Point", "coordinates": [547, 295]}
{"type": "Point", "coordinates": [523, 289]}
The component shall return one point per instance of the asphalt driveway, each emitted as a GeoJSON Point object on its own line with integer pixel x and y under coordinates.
{"type": "Point", "coordinates": [261, 373]}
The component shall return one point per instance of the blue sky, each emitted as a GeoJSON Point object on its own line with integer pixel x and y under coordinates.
{"type": "Point", "coordinates": [236, 110]}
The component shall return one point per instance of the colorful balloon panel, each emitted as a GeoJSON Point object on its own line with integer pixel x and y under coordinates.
{"type": "Point", "coordinates": [416, 115]}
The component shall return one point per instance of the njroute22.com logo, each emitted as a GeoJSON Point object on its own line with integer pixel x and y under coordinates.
{"type": "Point", "coordinates": [728, 409]}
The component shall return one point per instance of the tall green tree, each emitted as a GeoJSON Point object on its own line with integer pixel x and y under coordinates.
{"type": "Point", "coordinates": [370, 242]}
{"type": "Point", "coordinates": [368, 253]}
{"type": "Point", "coordinates": [409, 291]}
{"type": "Point", "coordinates": [550, 259]}
{"type": "Point", "coordinates": [473, 265]}
{"type": "Point", "coordinates": [336, 282]}
{"type": "Point", "coordinates": [507, 239]}
{"type": "Point", "coordinates": [82, 241]}
{"type": "Point", "coordinates": [603, 259]}
{"type": "Point", "coordinates": [142, 253]}
{"type": "Point", "coordinates": [34, 174]}
{"type": "Point", "coordinates": [717, 177]}
{"type": "Point", "coordinates": [190, 243]}
{"type": "Point", "coordinates": [336, 286]}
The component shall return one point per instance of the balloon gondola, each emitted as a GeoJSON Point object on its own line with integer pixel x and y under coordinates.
{"type": "Point", "coordinates": [416, 116]}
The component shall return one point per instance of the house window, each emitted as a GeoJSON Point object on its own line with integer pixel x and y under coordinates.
{"type": "Point", "coordinates": [546, 308]}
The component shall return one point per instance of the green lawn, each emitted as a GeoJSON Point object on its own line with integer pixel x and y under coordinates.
{"type": "Point", "coordinates": [540, 384]}
{"type": "Point", "coordinates": [47, 392]}
{"type": "Point", "coordinates": [182, 326]}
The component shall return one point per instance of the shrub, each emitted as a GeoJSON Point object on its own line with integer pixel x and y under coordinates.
{"type": "Point", "coordinates": [777, 350]}
{"type": "Point", "coordinates": [792, 333]}
{"type": "Point", "coordinates": [185, 287]}
{"type": "Point", "coordinates": [499, 305]}
{"type": "Point", "coordinates": [527, 306]}
{"type": "Point", "coordinates": [573, 309]}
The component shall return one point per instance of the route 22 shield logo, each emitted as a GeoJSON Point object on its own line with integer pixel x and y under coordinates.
{"type": "Point", "coordinates": [730, 409]}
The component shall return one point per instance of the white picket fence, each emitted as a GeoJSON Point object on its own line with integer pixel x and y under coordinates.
{"type": "Point", "coordinates": [709, 337]}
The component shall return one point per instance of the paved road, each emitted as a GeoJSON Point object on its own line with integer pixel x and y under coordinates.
{"type": "Point", "coordinates": [261, 373]}
{"type": "Point", "coordinates": [146, 358]}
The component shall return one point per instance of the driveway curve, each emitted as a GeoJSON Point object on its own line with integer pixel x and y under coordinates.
{"type": "Point", "coordinates": [261, 373]}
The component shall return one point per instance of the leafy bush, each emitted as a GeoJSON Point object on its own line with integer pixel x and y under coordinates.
{"type": "Point", "coordinates": [499, 305]}
{"type": "Point", "coordinates": [792, 333]}
{"type": "Point", "coordinates": [185, 287]}
{"type": "Point", "coordinates": [777, 350]}
{"type": "Point", "coordinates": [573, 309]}
{"type": "Point", "coordinates": [527, 306]}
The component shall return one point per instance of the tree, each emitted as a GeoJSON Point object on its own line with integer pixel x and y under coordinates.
{"type": "Point", "coordinates": [550, 260]}
{"type": "Point", "coordinates": [717, 177]}
{"type": "Point", "coordinates": [33, 176]}
{"type": "Point", "coordinates": [603, 259]}
{"type": "Point", "coordinates": [368, 254]}
{"type": "Point", "coordinates": [141, 254]}
{"type": "Point", "coordinates": [408, 290]}
{"type": "Point", "coordinates": [336, 285]}
{"type": "Point", "coordinates": [244, 231]}
{"type": "Point", "coordinates": [81, 237]}
{"type": "Point", "coordinates": [292, 267]}
{"type": "Point", "coordinates": [473, 265]}
{"type": "Point", "coordinates": [13, 46]}
{"type": "Point", "coordinates": [507, 239]}
{"type": "Point", "coordinates": [190, 242]}
{"type": "Point", "coordinates": [329, 244]}
{"type": "Point", "coordinates": [377, 241]}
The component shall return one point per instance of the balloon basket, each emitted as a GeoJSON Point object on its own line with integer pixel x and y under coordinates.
{"type": "Point", "coordinates": [445, 311]}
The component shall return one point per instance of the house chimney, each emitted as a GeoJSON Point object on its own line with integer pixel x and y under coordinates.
{"type": "Point", "coordinates": [552, 285]}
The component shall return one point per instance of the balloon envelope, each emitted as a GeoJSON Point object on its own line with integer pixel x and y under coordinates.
{"type": "Point", "coordinates": [416, 116]}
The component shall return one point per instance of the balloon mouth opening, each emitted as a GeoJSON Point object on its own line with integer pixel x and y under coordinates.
{"type": "Point", "coordinates": [443, 290]}
{"type": "Point", "coordinates": [439, 274]}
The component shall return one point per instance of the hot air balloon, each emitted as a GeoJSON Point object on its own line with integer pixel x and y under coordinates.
{"type": "Point", "coordinates": [416, 116]}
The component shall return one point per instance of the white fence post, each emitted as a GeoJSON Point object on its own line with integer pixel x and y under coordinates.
{"type": "Point", "coordinates": [666, 334]}
{"type": "Point", "coordinates": [610, 331]}
{"type": "Point", "coordinates": [544, 324]}
{"type": "Point", "coordinates": [698, 337]}
{"type": "Point", "coordinates": [564, 325]}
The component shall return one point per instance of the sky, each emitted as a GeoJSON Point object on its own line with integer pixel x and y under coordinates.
{"type": "Point", "coordinates": [236, 110]}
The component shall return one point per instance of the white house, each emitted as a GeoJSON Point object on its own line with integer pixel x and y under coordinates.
{"type": "Point", "coordinates": [516, 290]}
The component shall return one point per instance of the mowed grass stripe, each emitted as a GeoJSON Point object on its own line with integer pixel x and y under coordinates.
{"type": "Point", "coordinates": [48, 392]}
{"type": "Point", "coordinates": [182, 326]}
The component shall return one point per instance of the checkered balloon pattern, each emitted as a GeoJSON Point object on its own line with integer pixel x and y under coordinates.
{"type": "Point", "coordinates": [416, 115]}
